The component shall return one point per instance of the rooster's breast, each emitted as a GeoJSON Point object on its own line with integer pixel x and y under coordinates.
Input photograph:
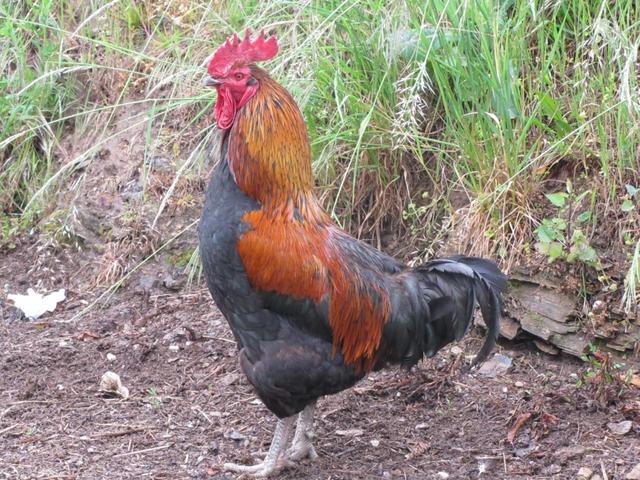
{"type": "Point", "coordinates": [220, 226]}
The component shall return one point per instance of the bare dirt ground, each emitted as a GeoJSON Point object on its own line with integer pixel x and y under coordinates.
{"type": "Point", "coordinates": [190, 408]}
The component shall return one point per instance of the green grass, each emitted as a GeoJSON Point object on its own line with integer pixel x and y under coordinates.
{"type": "Point", "coordinates": [33, 98]}
{"type": "Point", "coordinates": [632, 283]}
{"type": "Point", "coordinates": [427, 119]}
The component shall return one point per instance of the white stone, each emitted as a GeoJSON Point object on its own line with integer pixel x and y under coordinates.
{"type": "Point", "coordinates": [585, 473]}
{"type": "Point", "coordinates": [634, 474]}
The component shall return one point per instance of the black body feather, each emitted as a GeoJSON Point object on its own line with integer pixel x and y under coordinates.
{"type": "Point", "coordinates": [286, 344]}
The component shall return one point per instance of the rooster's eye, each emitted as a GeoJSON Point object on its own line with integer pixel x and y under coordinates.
{"type": "Point", "coordinates": [239, 76]}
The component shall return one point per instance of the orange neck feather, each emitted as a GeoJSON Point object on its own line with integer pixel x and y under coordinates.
{"type": "Point", "coordinates": [270, 158]}
{"type": "Point", "coordinates": [269, 151]}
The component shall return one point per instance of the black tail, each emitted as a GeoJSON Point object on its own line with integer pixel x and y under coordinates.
{"type": "Point", "coordinates": [452, 286]}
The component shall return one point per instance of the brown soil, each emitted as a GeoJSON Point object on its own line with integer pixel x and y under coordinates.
{"type": "Point", "coordinates": [191, 409]}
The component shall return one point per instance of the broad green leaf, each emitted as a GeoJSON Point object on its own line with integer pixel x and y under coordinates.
{"type": "Point", "coordinates": [583, 252]}
{"type": "Point", "coordinates": [559, 224]}
{"type": "Point", "coordinates": [627, 205]}
{"type": "Point", "coordinates": [588, 254]}
{"type": "Point", "coordinates": [584, 216]}
{"type": "Point", "coordinates": [558, 198]}
{"type": "Point", "coordinates": [546, 232]}
{"type": "Point", "coordinates": [578, 237]}
{"type": "Point", "coordinates": [554, 251]}
{"type": "Point", "coordinates": [544, 235]}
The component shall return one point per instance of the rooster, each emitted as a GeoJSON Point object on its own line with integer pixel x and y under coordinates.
{"type": "Point", "coordinates": [311, 308]}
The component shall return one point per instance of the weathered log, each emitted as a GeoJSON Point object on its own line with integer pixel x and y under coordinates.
{"type": "Point", "coordinates": [539, 306]}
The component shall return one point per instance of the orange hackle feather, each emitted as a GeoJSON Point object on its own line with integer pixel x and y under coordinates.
{"type": "Point", "coordinates": [291, 249]}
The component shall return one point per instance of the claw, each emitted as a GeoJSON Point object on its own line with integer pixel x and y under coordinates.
{"type": "Point", "coordinates": [275, 459]}
{"type": "Point", "coordinates": [301, 446]}
{"type": "Point", "coordinates": [260, 470]}
{"type": "Point", "coordinates": [298, 452]}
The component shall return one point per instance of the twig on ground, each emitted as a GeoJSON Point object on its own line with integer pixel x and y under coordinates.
{"type": "Point", "coordinates": [145, 450]}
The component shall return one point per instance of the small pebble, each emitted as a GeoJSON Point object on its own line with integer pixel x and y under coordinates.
{"type": "Point", "coordinates": [634, 474]}
{"type": "Point", "coordinates": [552, 469]}
{"type": "Point", "coordinates": [174, 348]}
{"type": "Point", "coordinates": [620, 428]}
{"type": "Point", "coordinates": [111, 383]}
{"type": "Point", "coordinates": [497, 365]}
{"type": "Point", "coordinates": [235, 435]}
{"type": "Point", "coordinates": [375, 443]}
{"type": "Point", "coordinates": [585, 473]}
{"type": "Point", "coordinates": [519, 384]}
{"type": "Point", "coordinates": [111, 357]}
{"type": "Point", "coordinates": [443, 475]}
{"type": "Point", "coordinates": [598, 306]}
{"type": "Point", "coordinates": [63, 343]}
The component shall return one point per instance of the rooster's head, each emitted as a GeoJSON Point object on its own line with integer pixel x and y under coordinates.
{"type": "Point", "coordinates": [230, 73]}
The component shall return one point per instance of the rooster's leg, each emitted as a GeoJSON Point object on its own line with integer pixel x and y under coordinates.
{"type": "Point", "coordinates": [275, 459]}
{"type": "Point", "coordinates": [301, 446]}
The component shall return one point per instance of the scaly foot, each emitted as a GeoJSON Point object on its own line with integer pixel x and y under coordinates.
{"type": "Point", "coordinates": [275, 459]}
{"type": "Point", "coordinates": [301, 446]}
{"type": "Point", "coordinates": [260, 470]}
{"type": "Point", "coordinates": [301, 450]}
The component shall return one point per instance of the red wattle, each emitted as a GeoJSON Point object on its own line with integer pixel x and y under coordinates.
{"type": "Point", "coordinates": [225, 108]}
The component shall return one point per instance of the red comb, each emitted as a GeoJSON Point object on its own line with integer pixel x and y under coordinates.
{"type": "Point", "coordinates": [236, 52]}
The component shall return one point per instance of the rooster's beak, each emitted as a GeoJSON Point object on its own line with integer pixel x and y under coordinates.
{"type": "Point", "coordinates": [209, 81]}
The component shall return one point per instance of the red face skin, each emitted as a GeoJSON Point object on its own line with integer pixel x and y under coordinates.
{"type": "Point", "coordinates": [234, 91]}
